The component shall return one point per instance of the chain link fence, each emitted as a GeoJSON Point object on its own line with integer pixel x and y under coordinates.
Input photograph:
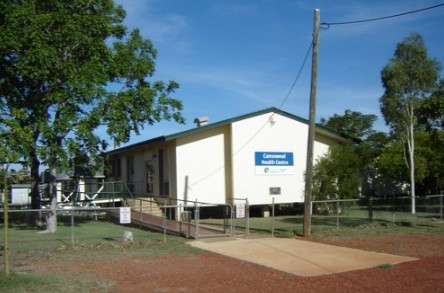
{"type": "Point", "coordinates": [96, 225]}
{"type": "Point", "coordinates": [286, 219]}
{"type": "Point", "coordinates": [76, 226]}
{"type": "Point", "coordinates": [339, 213]}
{"type": "Point", "coordinates": [192, 219]}
{"type": "Point", "coordinates": [103, 226]}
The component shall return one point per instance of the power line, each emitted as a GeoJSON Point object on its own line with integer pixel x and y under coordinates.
{"type": "Point", "coordinates": [260, 128]}
{"type": "Point", "coordinates": [298, 75]}
{"type": "Point", "coordinates": [328, 24]}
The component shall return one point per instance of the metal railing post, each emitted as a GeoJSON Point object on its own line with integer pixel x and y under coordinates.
{"type": "Point", "coordinates": [225, 219]}
{"type": "Point", "coordinates": [196, 220]}
{"type": "Point", "coordinates": [272, 218]}
{"type": "Point", "coordinates": [140, 209]}
{"type": "Point", "coordinates": [151, 206]}
{"type": "Point", "coordinates": [233, 222]}
{"type": "Point", "coordinates": [164, 222]}
{"type": "Point", "coordinates": [247, 217]}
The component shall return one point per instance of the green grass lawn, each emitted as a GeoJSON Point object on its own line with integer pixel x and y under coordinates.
{"type": "Point", "coordinates": [23, 238]}
{"type": "Point", "coordinates": [352, 221]}
{"type": "Point", "coordinates": [93, 240]}
{"type": "Point", "coordinates": [104, 240]}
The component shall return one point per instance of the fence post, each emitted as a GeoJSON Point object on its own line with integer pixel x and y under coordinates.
{"type": "Point", "coordinates": [140, 210]}
{"type": "Point", "coordinates": [164, 220]}
{"type": "Point", "coordinates": [393, 203]}
{"type": "Point", "coordinates": [225, 219]}
{"type": "Point", "coordinates": [337, 212]}
{"type": "Point", "coordinates": [247, 218]}
{"type": "Point", "coordinates": [233, 221]}
{"type": "Point", "coordinates": [151, 206]}
{"type": "Point", "coordinates": [440, 199]}
{"type": "Point", "coordinates": [180, 217]}
{"type": "Point", "coordinates": [272, 218]}
{"type": "Point", "coordinates": [6, 223]}
{"type": "Point", "coordinates": [170, 210]}
{"type": "Point", "coordinates": [196, 219]}
{"type": "Point", "coordinates": [72, 227]}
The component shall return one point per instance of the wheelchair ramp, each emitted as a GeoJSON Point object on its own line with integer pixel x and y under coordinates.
{"type": "Point", "coordinates": [184, 229]}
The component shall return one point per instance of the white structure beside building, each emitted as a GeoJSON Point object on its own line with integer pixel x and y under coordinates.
{"type": "Point", "coordinates": [19, 194]}
{"type": "Point", "coordinates": [259, 156]}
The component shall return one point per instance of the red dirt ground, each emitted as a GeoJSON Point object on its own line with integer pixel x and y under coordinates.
{"type": "Point", "coordinates": [214, 273]}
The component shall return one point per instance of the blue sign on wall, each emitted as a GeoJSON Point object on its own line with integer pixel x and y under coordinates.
{"type": "Point", "coordinates": [274, 163]}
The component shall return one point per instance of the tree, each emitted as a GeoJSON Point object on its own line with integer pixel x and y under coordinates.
{"type": "Point", "coordinates": [68, 67]}
{"type": "Point", "coordinates": [339, 172]}
{"type": "Point", "coordinates": [336, 177]}
{"type": "Point", "coordinates": [409, 77]}
{"type": "Point", "coordinates": [352, 123]}
{"type": "Point", "coordinates": [431, 116]}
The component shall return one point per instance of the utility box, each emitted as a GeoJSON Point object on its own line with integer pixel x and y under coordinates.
{"type": "Point", "coordinates": [19, 194]}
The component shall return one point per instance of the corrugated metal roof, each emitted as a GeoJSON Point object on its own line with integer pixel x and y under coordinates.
{"type": "Point", "coordinates": [320, 129]}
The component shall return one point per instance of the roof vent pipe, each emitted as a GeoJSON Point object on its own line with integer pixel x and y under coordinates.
{"type": "Point", "coordinates": [201, 121]}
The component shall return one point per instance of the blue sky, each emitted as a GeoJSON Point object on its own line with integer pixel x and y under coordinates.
{"type": "Point", "coordinates": [233, 57]}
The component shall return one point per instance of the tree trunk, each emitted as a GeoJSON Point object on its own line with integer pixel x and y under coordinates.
{"type": "Point", "coordinates": [35, 217]}
{"type": "Point", "coordinates": [51, 219]}
{"type": "Point", "coordinates": [412, 169]}
{"type": "Point", "coordinates": [35, 181]}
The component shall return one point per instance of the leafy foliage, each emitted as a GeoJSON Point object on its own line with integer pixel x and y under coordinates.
{"type": "Point", "coordinates": [353, 123]}
{"type": "Point", "coordinates": [67, 68]}
{"type": "Point", "coordinates": [431, 110]}
{"type": "Point", "coordinates": [409, 78]}
{"type": "Point", "coordinates": [337, 174]}
{"type": "Point", "coordinates": [335, 177]}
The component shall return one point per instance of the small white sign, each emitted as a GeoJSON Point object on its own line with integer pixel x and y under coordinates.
{"type": "Point", "coordinates": [125, 215]}
{"type": "Point", "coordinates": [240, 210]}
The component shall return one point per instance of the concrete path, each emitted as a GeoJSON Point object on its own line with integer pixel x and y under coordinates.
{"type": "Point", "coordinates": [298, 257]}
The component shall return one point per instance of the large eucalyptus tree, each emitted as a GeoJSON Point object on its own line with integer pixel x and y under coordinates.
{"type": "Point", "coordinates": [408, 78]}
{"type": "Point", "coordinates": [68, 67]}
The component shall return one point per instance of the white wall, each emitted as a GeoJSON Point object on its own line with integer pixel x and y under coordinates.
{"type": "Point", "coordinates": [258, 134]}
{"type": "Point", "coordinates": [321, 146]}
{"type": "Point", "coordinates": [219, 163]}
{"type": "Point", "coordinates": [200, 159]}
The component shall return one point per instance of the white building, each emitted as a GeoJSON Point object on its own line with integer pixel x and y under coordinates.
{"type": "Point", "coordinates": [259, 156]}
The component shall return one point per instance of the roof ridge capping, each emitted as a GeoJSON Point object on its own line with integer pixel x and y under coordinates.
{"type": "Point", "coordinates": [318, 128]}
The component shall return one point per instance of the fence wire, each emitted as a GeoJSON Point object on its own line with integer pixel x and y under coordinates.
{"type": "Point", "coordinates": [286, 219]}
{"type": "Point", "coordinates": [97, 226]}
{"type": "Point", "coordinates": [102, 226]}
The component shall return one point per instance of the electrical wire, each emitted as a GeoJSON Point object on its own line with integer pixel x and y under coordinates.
{"type": "Point", "coordinates": [260, 129]}
{"type": "Point", "coordinates": [298, 75]}
{"type": "Point", "coordinates": [328, 24]}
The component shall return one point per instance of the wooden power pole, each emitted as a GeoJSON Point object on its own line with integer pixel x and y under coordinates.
{"type": "Point", "coordinates": [311, 127]}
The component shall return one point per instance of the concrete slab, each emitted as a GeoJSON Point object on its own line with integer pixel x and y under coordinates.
{"type": "Point", "coordinates": [298, 257]}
